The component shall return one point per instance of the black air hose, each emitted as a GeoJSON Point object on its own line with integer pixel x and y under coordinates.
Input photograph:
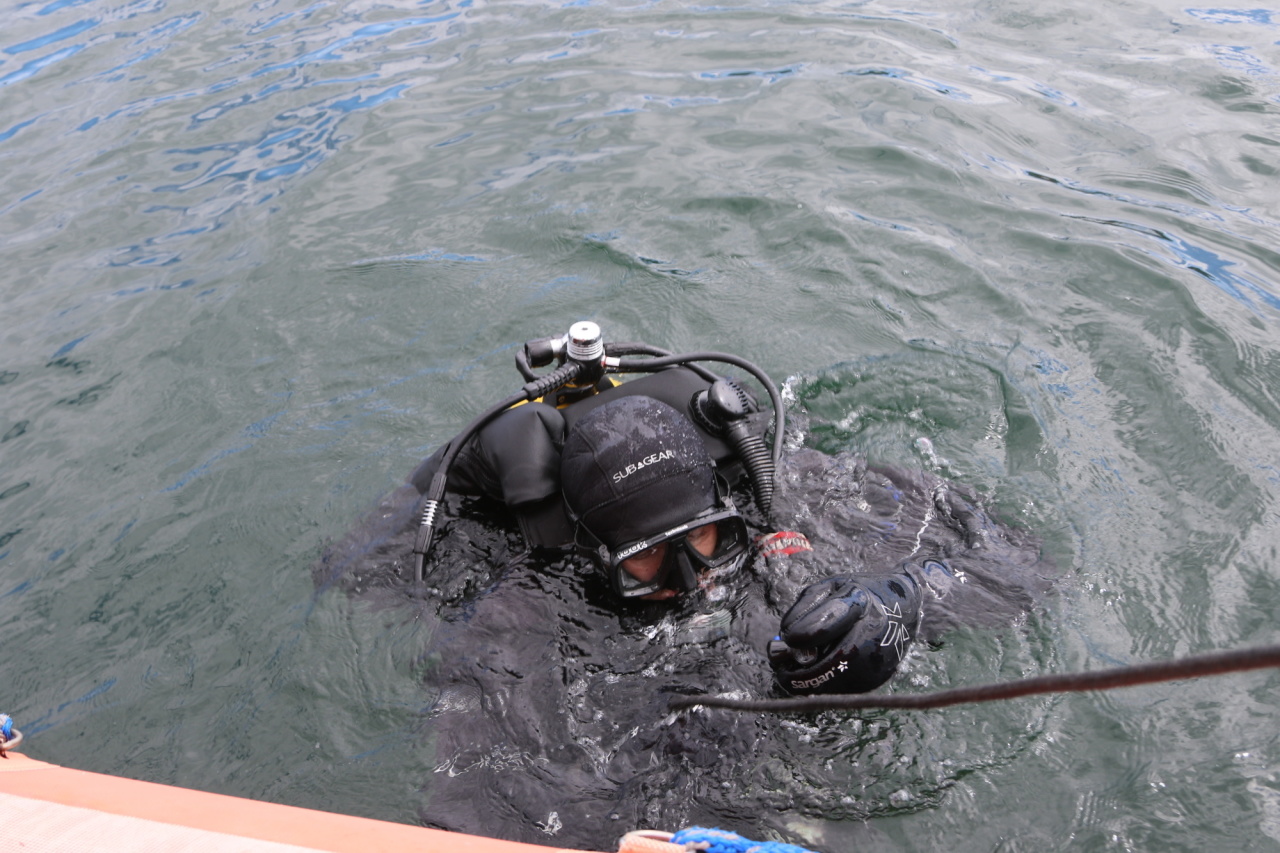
{"type": "Point", "coordinates": [557, 378]}
{"type": "Point", "coordinates": [756, 458]}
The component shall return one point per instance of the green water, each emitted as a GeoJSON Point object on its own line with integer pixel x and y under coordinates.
{"type": "Point", "coordinates": [258, 259]}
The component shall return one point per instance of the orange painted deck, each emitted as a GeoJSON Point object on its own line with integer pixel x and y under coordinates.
{"type": "Point", "coordinates": [49, 809]}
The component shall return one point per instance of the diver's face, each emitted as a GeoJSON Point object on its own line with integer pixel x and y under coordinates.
{"type": "Point", "coordinates": [645, 566]}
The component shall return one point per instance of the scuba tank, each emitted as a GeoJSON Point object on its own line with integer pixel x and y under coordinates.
{"type": "Point", "coordinates": [584, 364]}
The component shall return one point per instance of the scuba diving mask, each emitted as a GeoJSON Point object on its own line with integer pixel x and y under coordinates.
{"type": "Point", "coordinates": [674, 558]}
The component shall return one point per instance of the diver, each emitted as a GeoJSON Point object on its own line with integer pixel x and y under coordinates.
{"type": "Point", "coordinates": [651, 479]}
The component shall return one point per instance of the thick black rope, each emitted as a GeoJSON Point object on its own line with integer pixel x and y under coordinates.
{"type": "Point", "coordinates": [1216, 663]}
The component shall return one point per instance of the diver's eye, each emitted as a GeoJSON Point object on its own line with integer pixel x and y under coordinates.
{"type": "Point", "coordinates": [644, 565]}
{"type": "Point", "coordinates": [704, 539]}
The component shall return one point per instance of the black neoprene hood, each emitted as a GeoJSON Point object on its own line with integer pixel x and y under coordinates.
{"type": "Point", "coordinates": [634, 468]}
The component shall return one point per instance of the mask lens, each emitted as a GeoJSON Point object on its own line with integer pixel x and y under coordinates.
{"type": "Point", "coordinates": [645, 567]}
{"type": "Point", "coordinates": [731, 542]}
{"type": "Point", "coordinates": [643, 572]}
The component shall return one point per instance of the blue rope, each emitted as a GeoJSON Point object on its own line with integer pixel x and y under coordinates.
{"type": "Point", "coordinates": [6, 727]}
{"type": "Point", "coordinates": [729, 842]}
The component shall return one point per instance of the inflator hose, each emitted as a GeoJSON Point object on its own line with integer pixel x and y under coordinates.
{"type": "Point", "coordinates": [755, 457]}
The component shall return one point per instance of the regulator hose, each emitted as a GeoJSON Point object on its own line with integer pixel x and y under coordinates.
{"type": "Point", "coordinates": [755, 457]}
{"type": "Point", "coordinates": [622, 349]}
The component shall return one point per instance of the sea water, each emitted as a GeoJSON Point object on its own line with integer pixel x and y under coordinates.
{"type": "Point", "coordinates": [260, 258]}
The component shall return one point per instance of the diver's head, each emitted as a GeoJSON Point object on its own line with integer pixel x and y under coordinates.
{"type": "Point", "coordinates": [846, 634]}
{"type": "Point", "coordinates": [643, 490]}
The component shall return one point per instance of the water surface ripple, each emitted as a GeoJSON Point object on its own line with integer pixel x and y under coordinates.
{"type": "Point", "coordinates": [259, 258]}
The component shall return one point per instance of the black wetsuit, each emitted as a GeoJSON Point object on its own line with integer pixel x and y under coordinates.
{"type": "Point", "coordinates": [548, 696]}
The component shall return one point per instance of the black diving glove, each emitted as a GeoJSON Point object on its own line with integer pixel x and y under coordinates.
{"type": "Point", "coordinates": [846, 634]}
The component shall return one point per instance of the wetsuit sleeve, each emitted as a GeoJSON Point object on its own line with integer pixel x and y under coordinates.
{"type": "Point", "coordinates": [514, 459]}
